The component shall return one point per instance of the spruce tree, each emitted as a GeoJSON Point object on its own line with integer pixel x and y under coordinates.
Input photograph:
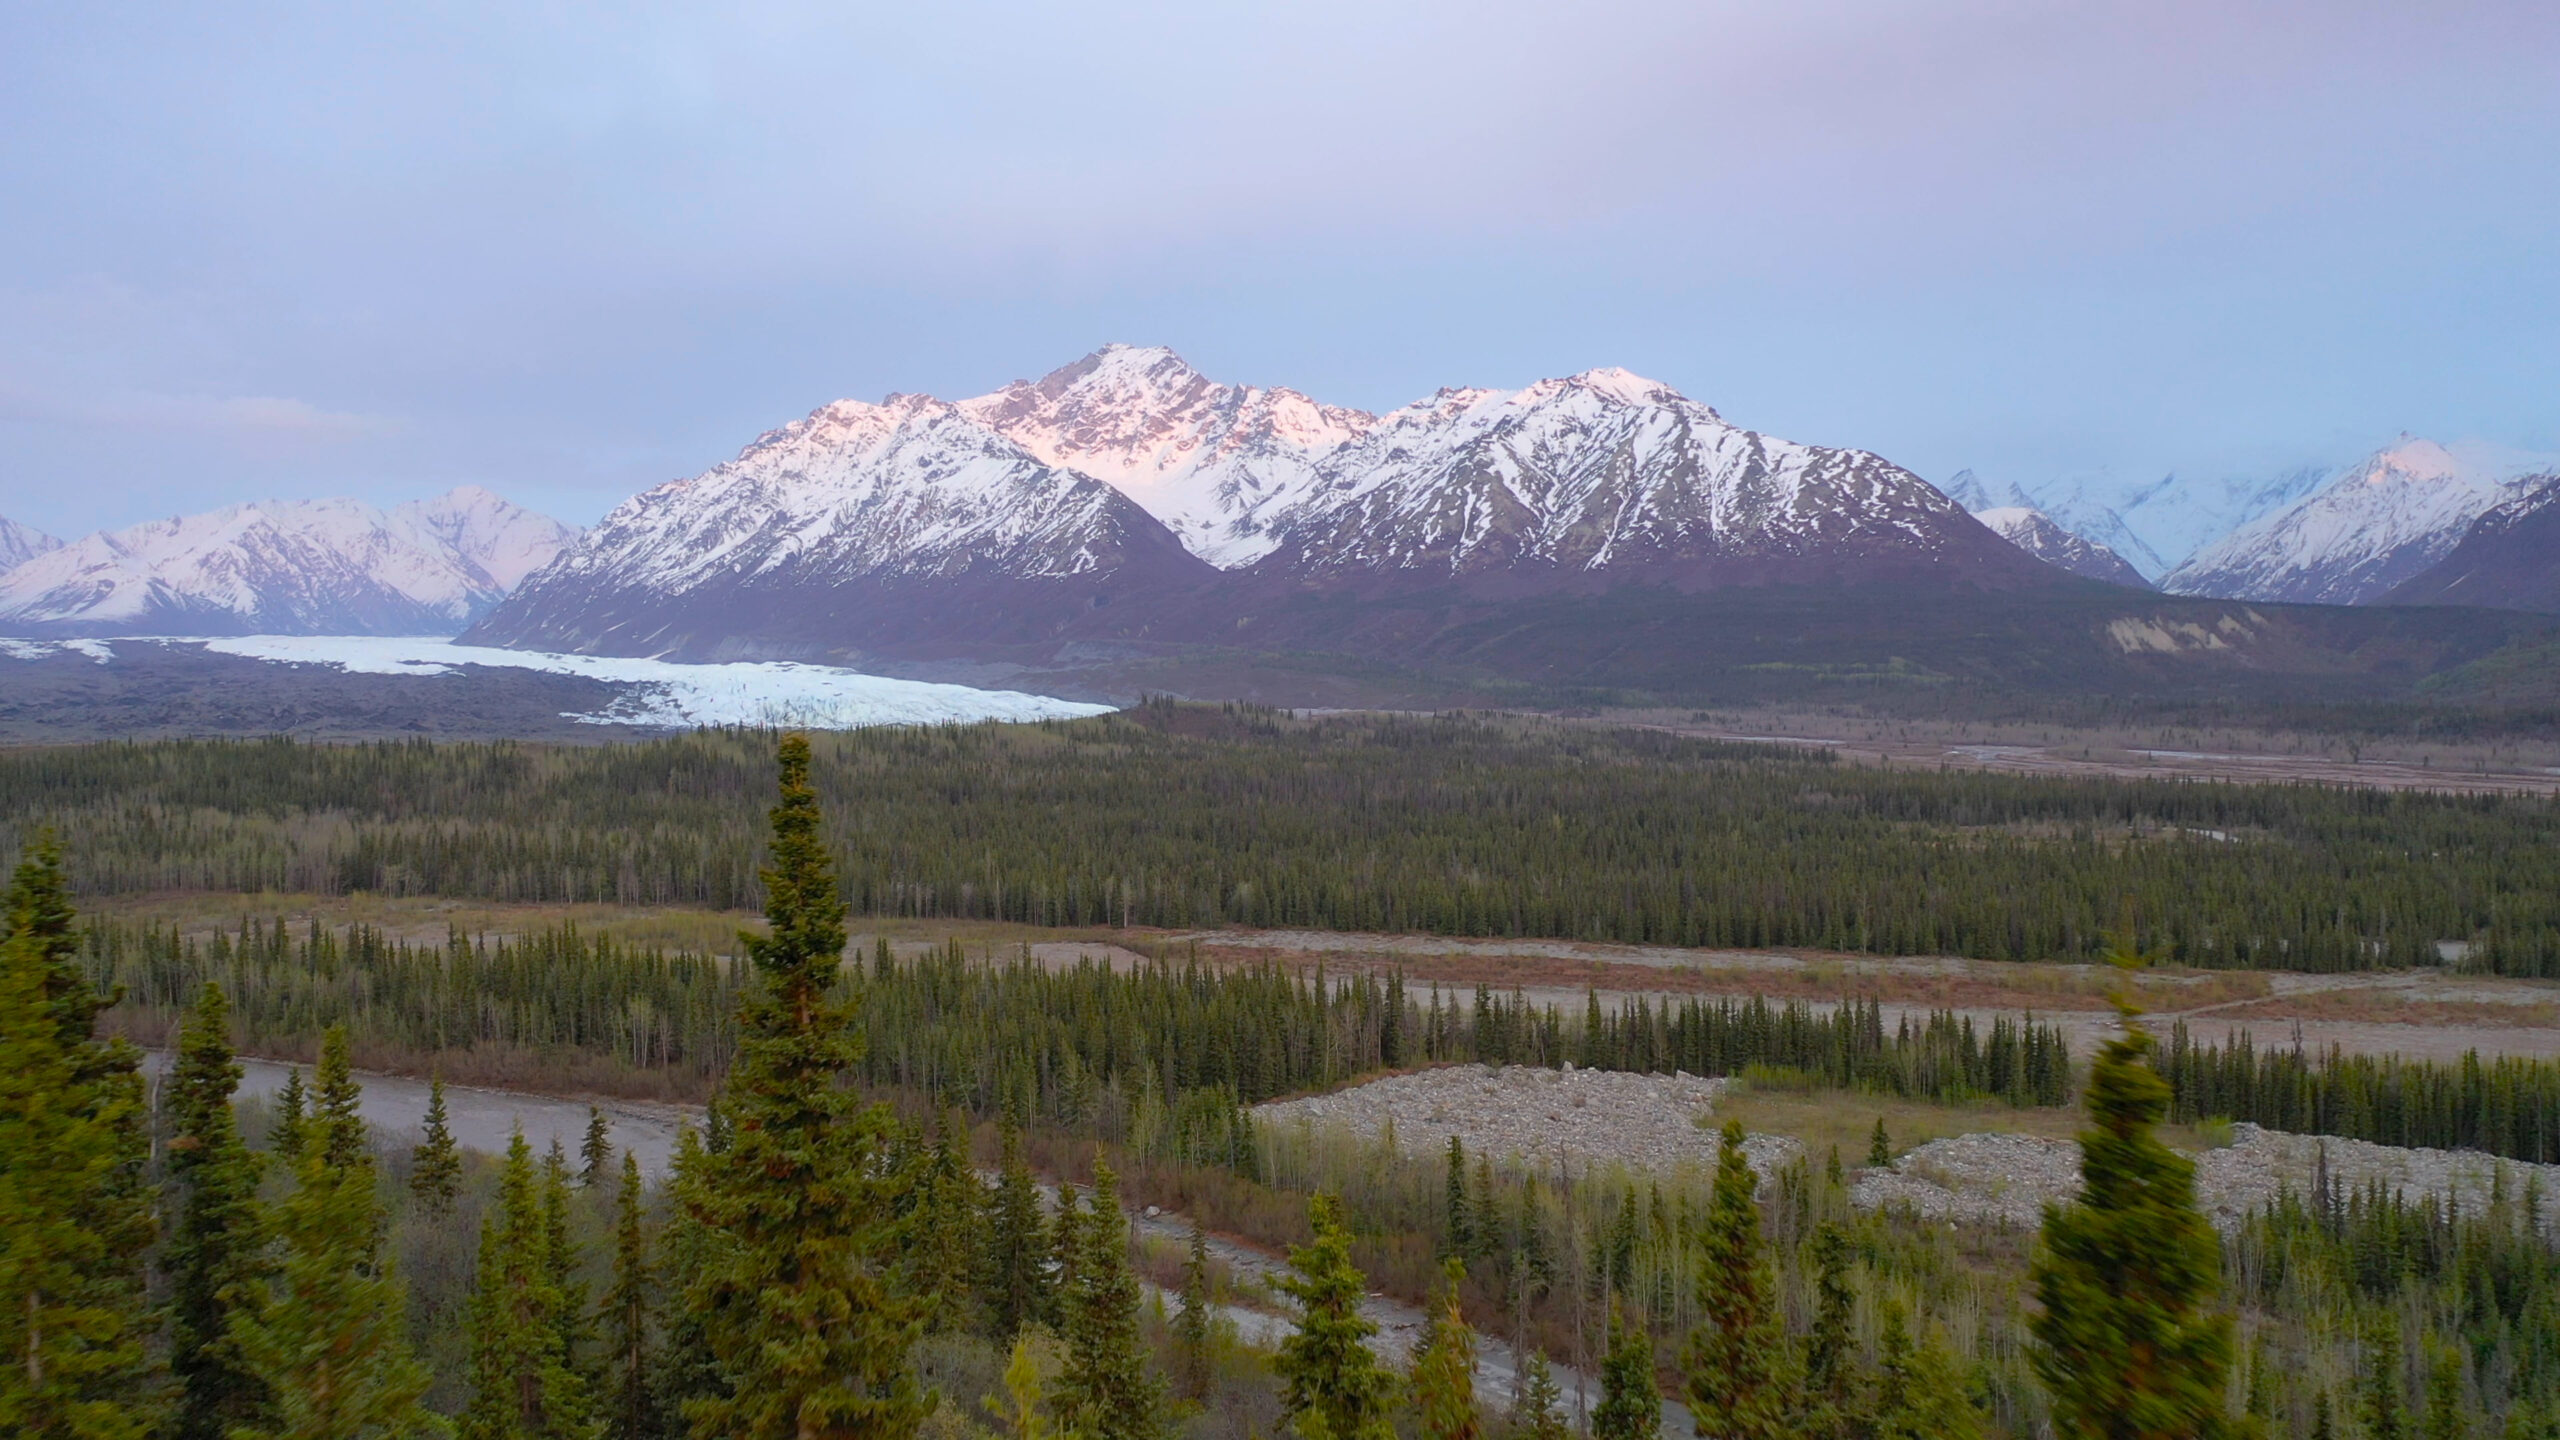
{"type": "Point", "coordinates": [1879, 1146]}
{"type": "Point", "coordinates": [1191, 1327]}
{"type": "Point", "coordinates": [1016, 1271]}
{"type": "Point", "coordinates": [560, 1256]}
{"type": "Point", "coordinates": [1630, 1407]}
{"type": "Point", "coordinates": [687, 1368]}
{"type": "Point", "coordinates": [217, 1261]}
{"type": "Point", "coordinates": [2444, 1417]}
{"type": "Point", "coordinates": [1332, 1386]}
{"type": "Point", "coordinates": [1444, 1368]}
{"type": "Point", "coordinates": [2384, 1416]}
{"type": "Point", "coordinates": [523, 1386]}
{"type": "Point", "coordinates": [1741, 1379]}
{"type": "Point", "coordinates": [1537, 1402]}
{"type": "Point", "coordinates": [435, 1170]}
{"type": "Point", "coordinates": [1461, 1238]}
{"type": "Point", "coordinates": [75, 1217]}
{"type": "Point", "coordinates": [632, 1407]}
{"type": "Point", "coordinates": [2130, 1341]}
{"type": "Point", "coordinates": [1104, 1390]}
{"type": "Point", "coordinates": [284, 1132]}
{"type": "Point", "coordinates": [942, 1242]}
{"type": "Point", "coordinates": [1832, 1384]}
{"type": "Point", "coordinates": [811, 1336]}
{"type": "Point", "coordinates": [332, 1340]}
{"type": "Point", "coordinates": [595, 1152]}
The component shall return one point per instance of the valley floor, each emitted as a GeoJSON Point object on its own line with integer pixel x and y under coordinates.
{"type": "Point", "coordinates": [2431, 1013]}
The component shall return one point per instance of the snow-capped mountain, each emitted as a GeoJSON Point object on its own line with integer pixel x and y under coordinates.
{"type": "Point", "coordinates": [2015, 517]}
{"type": "Point", "coordinates": [2508, 560]}
{"type": "Point", "coordinates": [1606, 475]}
{"type": "Point", "coordinates": [2033, 531]}
{"type": "Point", "coordinates": [501, 541]}
{"type": "Point", "coordinates": [2156, 525]}
{"type": "Point", "coordinates": [853, 525]}
{"type": "Point", "coordinates": [287, 567]}
{"type": "Point", "coordinates": [2369, 528]}
{"type": "Point", "coordinates": [22, 543]}
{"type": "Point", "coordinates": [1209, 460]}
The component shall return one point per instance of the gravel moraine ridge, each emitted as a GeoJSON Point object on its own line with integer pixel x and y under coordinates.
{"type": "Point", "coordinates": [1544, 1119]}
{"type": "Point", "coordinates": [2009, 1178]}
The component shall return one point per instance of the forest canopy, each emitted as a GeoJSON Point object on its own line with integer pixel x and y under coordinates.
{"type": "Point", "coordinates": [1187, 816]}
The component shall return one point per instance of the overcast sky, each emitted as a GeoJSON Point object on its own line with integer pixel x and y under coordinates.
{"type": "Point", "coordinates": [571, 251]}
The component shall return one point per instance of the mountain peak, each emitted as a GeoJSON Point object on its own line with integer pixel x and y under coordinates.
{"type": "Point", "coordinates": [288, 566]}
{"type": "Point", "coordinates": [22, 543]}
{"type": "Point", "coordinates": [1624, 385]}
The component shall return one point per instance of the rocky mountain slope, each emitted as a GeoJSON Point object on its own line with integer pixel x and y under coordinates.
{"type": "Point", "coordinates": [22, 543]}
{"type": "Point", "coordinates": [287, 567]}
{"type": "Point", "coordinates": [1209, 460]}
{"type": "Point", "coordinates": [2370, 528]}
{"type": "Point", "coordinates": [2033, 531]}
{"type": "Point", "coordinates": [858, 527]}
{"type": "Point", "coordinates": [1603, 478]}
{"type": "Point", "coordinates": [2508, 560]}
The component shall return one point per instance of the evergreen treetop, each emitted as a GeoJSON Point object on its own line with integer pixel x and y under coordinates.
{"type": "Point", "coordinates": [1333, 1386]}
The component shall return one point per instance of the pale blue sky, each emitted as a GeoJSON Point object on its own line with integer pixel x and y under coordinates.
{"type": "Point", "coordinates": [570, 251]}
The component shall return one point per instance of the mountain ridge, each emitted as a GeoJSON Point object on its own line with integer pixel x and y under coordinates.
{"type": "Point", "coordinates": [333, 566]}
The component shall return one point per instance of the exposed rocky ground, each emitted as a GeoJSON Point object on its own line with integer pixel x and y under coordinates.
{"type": "Point", "coordinates": [1538, 1117]}
{"type": "Point", "coordinates": [2010, 1178]}
{"type": "Point", "coordinates": [1548, 1119]}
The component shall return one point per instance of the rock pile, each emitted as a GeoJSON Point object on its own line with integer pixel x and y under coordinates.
{"type": "Point", "coordinates": [1538, 1118]}
{"type": "Point", "coordinates": [2009, 1178]}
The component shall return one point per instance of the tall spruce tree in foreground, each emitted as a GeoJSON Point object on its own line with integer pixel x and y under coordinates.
{"type": "Point", "coordinates": [1104, 1390]}
{"type": "Point", "coordinates": [2130, 1341]}
{"type": "Point", "coordinates": [1444, 1368]}
{"type": "Point", "coordinates": [1741, 1374]}
{"type": "Point", "coordinates": [1191, 1327]}
{"type": "Point", "coordinates": [1537, 1404]}
{"type": "Point", "coordinates": [435, 1173]}
{"type": "Point", "coordinates": [1833, 1383]}
{"type": "Point", "coordinates": [332, 1341]}
{"type": "Point", "coordinates": [1630, 1407]}
{"type": "Point", "coordinates": [217, 1261]}
{"type": "Point", "coordinates": [523, 1386]}
{"type": "Point", "coordinates": [75, 1217]}
{"type": "Point", "coordinates": [1016, 1270]}
{"type": "Point", "coordinates": [810, 1335]}
{"type": "Point", "coordinates": [1332, 1386]}
{"type": "Point", "coordinates": [632, 1405]}
{"type": "Point", "coordinates": [687, 1370]}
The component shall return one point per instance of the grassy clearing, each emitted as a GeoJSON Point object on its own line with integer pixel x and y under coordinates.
{"type": "Point", "coordinates": [1824, 1118]}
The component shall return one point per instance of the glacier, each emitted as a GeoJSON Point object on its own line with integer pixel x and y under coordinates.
{"type": "Point", "coordinates": [658, 694]}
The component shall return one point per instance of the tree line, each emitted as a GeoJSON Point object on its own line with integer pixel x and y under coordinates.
{"type": "Point", "coordinates": [813, 1239]}
{"type": "Point", "coordinates": [1184, 816]}
{"type": "Point", "coordinates": [2509, 1105]}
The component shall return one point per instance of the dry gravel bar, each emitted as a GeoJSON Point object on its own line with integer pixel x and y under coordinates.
{"type": "Point", "coordinates": [1535, 1117]}
{"type": "Point", "coordinates": [2009, 1178]}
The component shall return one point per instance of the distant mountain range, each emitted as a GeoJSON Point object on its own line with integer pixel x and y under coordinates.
{"type": "Point", "coordinates": [286, 567]}
{"type": "Point", "coordinates": [1597, 529]}
{"type": "Point", "coordinates": [2366, 530]}
{"type": "Point", "coordinates": [2016, 518]}
{"type": "Point", "coordinates": [2509, 559]}
{"type": "Point", "coordinates": [870, 527]}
